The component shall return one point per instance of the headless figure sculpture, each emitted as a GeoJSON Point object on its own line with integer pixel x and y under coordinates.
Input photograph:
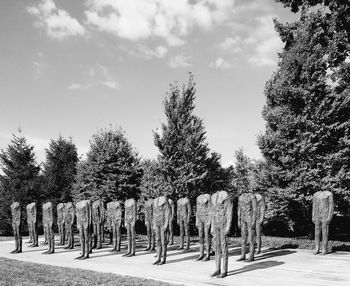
{"type": "Point", "coordinates": [31, 219]}
{"type": "Point", "coordinates": [149, 226]}
{"type": "Point", "coordinates": [130, 220]}
{"type": "Point", "coordinates": [69, 214]}
{"type": "Point", "coordinates": [260, 205]}
{"type": "Point", "coordinates": [183, 220]}
{"type": "Point", "coordinates": [171, 219]}
{"type": "Point", "coordinates": [247, 211]}
{"type": "Point", "coordinates": [45, 231]}
{"type": "Point", "coordinates": [203, 225]}
{"type": "Point", "coordinates": [98, 215]}
{"type": "Point", "coordinates": [161, 214]}
{"type": "Point", "coordinates": [322, 213]}
{"type": "Point", "coordinates": [60, 222]}
{"type": "Point", "coordinates": [84, 221]}
{"type": "Point", "coordinates": [16, 225]}
{"type": "Point", "coordinates": [114, 216]}
{"type": "Point", "coordinates": [221, 218]}
{"type": "Point", "coordinates": [48, 223]}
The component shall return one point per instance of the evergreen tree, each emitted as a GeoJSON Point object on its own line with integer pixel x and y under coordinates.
{"type": "Point", "coordinates": [111, 170]}
{"type": "Point", "coordinates": [243, 172]}
{"type": "Point", "coordinates": [307, 109]}
{"type": "Point", "coordinates": [19, 181]}
{"type": "Point", "coordinates": [182, 143]}
{"type": "Point", "coordinates": [59, 170]}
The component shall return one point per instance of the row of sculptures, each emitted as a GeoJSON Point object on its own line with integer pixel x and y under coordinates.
{"type": "Point", "coordinates": [213, 218]}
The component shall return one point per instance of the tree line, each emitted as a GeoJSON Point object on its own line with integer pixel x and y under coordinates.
{"type": "Point", "coordinates": [305, 145]}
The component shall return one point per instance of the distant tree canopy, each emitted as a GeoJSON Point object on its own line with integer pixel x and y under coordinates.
{"type": "Point", "coordinates": [307, 111]}
{"type": "Point", "coordinates": [20, 179]}
{"type": "Point", "coordinates": [59, 170]}
{"type": "Point", "coordinates": [111, 170]}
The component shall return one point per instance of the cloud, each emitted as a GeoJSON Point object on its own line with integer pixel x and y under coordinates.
{"type": "Point", "coordinates": [220, 63]}
{"type": "Point", "coordinates": [110, 84]}
{"type": "Point", "coordinates": [179, 61]}
{"type": "Point", "coordinates": [170, 20]}
{"type": "Point", "coordinates": [77, 86]}
{"type": "Point", "coordinates": [57, 23]}
{"type": "Point", "coordinates": [231, 44]}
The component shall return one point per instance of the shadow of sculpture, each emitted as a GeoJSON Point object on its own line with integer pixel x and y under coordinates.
{"type": "Point", "coordinates": [255, 266]}
{"type": "Point", "coordinates": [274, 253]}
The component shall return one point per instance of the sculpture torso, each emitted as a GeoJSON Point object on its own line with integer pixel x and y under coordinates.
{"type": "Point", "coordinates": [114, 211]}
{"type": "Point", "coordinates": [16, 214]}
{"type": "Point", "coordinates": [83, 212]}
{"type": "Point", "coordinates": [48, 214]}
{"type": "Point", "coordinates": [220, 204]}
{"type": "Point", "coordinates": [203, 208]}
{"type": "Point", "coordinates": [31, 213]}
{"type": "Point", "coordinates": [60, 212]}
{"type": "Point", "coordinates": [183, 208]}
{"type": "Point", "coordinates": [245, 203]}
{"type": "Point", "coordinates": [69, 213]}
{"type": "Point", "coordinates": [148, 212]}
{"type": "Point", "coordinates": [260, 200]}
{"type": "Point", "coordinates": [130, 211]}
{"type": "Point", "coordinates": [160, 211]}
{"type": "Point", "coordinates": [323, 206]}
{"type": "Point", "coordinates": [97, 212]}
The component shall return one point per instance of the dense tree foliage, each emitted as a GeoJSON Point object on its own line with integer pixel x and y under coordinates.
{"type": "Point", "coordinates": [307, 109]}
{"type": "Point", "coordinates": [59, 170]}
{"type": "Point", "coordinates": [20, 179]}
{"type": "Point", "coordinates": [111, 169]}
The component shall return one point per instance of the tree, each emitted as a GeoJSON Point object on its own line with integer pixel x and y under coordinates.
{"type": "Point", "coordinates": [111, 170]}
{"type": "Point", "coordinates": [19, 181]}
{"type": "Point", "coordinates": [307, 109]}
{"type": "Point", "coordinates": [243, 172]}
{"type": "Point", "coordinates": [182, 143]}
{"type": "Point", "coordinates": [59, 170]}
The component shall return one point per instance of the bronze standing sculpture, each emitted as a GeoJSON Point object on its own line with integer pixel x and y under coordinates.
{"type": "Point", "coordinates": [48, 223]}
{"type": "Point", "coordinates": [183, 220]}
{"type": "Point", "coordinates": [60, 223]}
{"type": "Point", "coordinates": [16, 225]}
{"type": "Point", "coordinates": [98, 215]}
{"type": "Point", "coordinates": [114, 216]}
{"type": "Point", "coordinates": [221, 218]}
{"type": "Point", "coordinates": [149, 225]}
{"type": "Point", "coordinates": [203, 225]}
{"type": "Point", "coordinates": [69, 215]}
{"type": "Point", "coordinates": [161, 213]}
{"type": "Point", "coordinates": [45, 231]}
{"type": "Point", "coordinates": [130, 221]}
{"type": "Point", "coordinates": [247, 212]}
{"type": "Point", "coordinates": [322, 213]}
{"type": "Point", "coordinates": [260, 206]}
{"type": "Point", "coordinates": [84, 221]}
{"type": "Point", "coordinates": [171, 219]}
{"type": "Point", "coordinates": [31, 219]}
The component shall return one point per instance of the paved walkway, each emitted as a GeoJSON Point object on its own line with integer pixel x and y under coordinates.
{"type": "Point", "coordinates": [272, 267]}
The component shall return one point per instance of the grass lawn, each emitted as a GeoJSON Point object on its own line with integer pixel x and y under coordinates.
{"type": "Point", "coordinates": [14, 272]}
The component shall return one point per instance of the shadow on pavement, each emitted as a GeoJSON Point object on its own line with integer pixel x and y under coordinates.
{"type": "Point", "coordinates": [255, 266]}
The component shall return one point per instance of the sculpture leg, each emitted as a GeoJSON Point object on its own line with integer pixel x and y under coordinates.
{"type": "Point", "coordinates": [244, 234]}
{"type": "Point", "coordinates": [99, 236]}
{"type": "Point", "coordinates": [317, 237]}
{"type": "Point", "coordinates": [159, 245]}
{"type": "Point", "coordinates": [201, 241]}
{"type": "Point", "coordinates": [114, 236]}
{"type": "Point", "coordinates": [207, 242]}
{"type": "Point", "coordinates": [171, 233]}
{"type": "Point", "coordinates": [163, 236]}
{"type": "Point", "coordinates": [45, 235]}
{"type": "Point", "coordinates": [325, 227]}
{"type": "Point", "coordinates": [15, 234]}
{"type": "Point", "coordinates": [118, 236]}
{"type": "Point", "coordinates": [251, 239]}
{"type": "Point", "coordinates": [217, 246]}
{"type": "Point", "coordinates": [181, 235]}
{"type": "Point", "coordinates": [187, 233]}
{"type": "Point", "coordinates": [128, 230]}
{"type": "Point", "coordinates": [133, 240]}
{"type": "Point", "coordinates": [71, 235]}
{"type": "Point", "coordinates": [51, 241]}
{"type": "Point", "coordinates": [258, 238]}
{"type": "Point", "coordinates": [94, 235]}
{"type": "Point", "coordinates": [19, 238]}
{"type": "Point", "coordinates": [68, 236]}
{"type": "Point", "coordinates": [87, 242]}
{"type": "Point", "coordinates": [153, 236]}
{"type": "Point", "coordinates": [149, 237]}
{"type": "Point", "coordinates": [223, 241]}
{"type": "Point", "coordinates": [30, 233]}
{"type": "Point", "coordinates": [82, 242]}
{"type": "Point", "coordinates": [63, 234]}
{"type": "Point", "coordinates": [35, 234]}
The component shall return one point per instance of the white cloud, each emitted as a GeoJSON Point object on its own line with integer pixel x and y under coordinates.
{"type": "Point", "coordinates": [170, 20]}
{"type": "Point", "coordinates": [220, 63]}
{"type": "Point", "coordinates": [57, 23]}
{"type": "Point", "coordinates": [110, 84]}
{"type": "Point", "coordinates": [231, 44]}
{"type": "Point", "coordinates": [179, 61]}
{"type": "Point", "coordinates": [148, 53]}
{"type": "Point", "coordinates": [77, 86]}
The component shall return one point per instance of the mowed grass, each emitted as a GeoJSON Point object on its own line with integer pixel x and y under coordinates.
{"type": "Point", "coordinates": [14, 272]}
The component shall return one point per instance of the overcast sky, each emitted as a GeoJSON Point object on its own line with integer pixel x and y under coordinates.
{"type": "Point", "coordinates": [71, 67]}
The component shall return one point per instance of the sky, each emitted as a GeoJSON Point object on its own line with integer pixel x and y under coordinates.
{"type": "Point", "coordinates": [71, 67]}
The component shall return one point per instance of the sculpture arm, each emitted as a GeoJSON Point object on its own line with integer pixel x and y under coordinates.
{"type": "Point", "coordinates": [331, 208]}
{"type": "Point", "coordinates": [254, 207]}
{"type": "Point", "coordinates": [239, 215]}
{"type": "Point", "coordinates": [197, 219]}
{"type": "Point", "coordinates": [189, 211]}
{"type": "Point", "coordinates": [313, 208]}
{"type": "Point", "coordinates": [229, 216]}
{"type": "Point", "coordinates": [177, 213]}
{"type": "Point", "coordinates": [262, 210]}
{"type": "Point", "coordinates": [167, 215]}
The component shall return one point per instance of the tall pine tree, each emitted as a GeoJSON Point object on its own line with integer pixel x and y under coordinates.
{"type": "Point", "coordinates": [307, 108]}
{"type": "Point", "coordinates": [182, 143]}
